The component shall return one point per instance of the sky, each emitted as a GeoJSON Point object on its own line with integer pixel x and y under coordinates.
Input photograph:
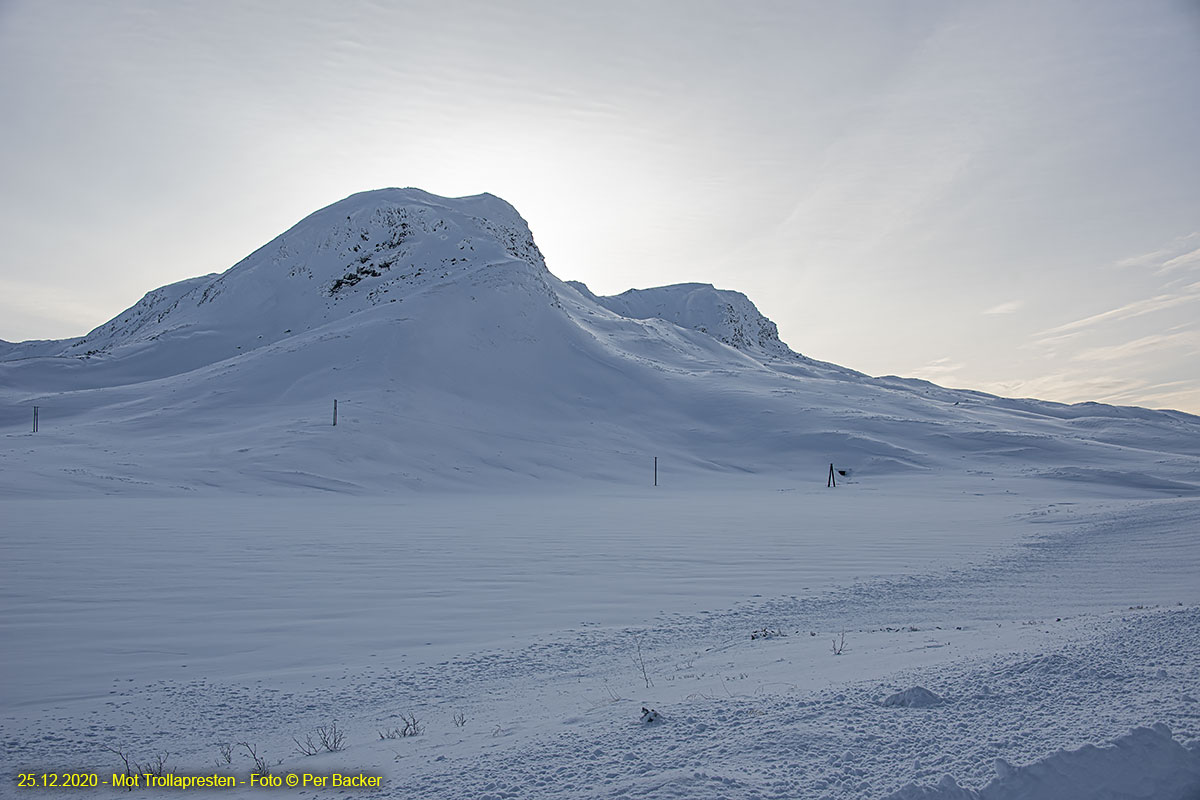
{"type": "Point", "coordinates": [1002, 196]}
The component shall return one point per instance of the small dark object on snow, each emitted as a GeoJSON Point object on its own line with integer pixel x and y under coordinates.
{"type": "Point", "coordinates": [650, 716]}
{"type": "Point", "coordinates": [765, 633]}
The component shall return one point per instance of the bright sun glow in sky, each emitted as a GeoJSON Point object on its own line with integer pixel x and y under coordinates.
{"type": "Point", "coordinates": [1001, 196]}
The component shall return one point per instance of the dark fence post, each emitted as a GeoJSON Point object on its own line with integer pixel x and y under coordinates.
{"type": "Point", "coordinates": [335, 412]}
{"type": "Point", "coordinates": [656, 470]}
{"type": "Point", "coordinates": [35, 419]}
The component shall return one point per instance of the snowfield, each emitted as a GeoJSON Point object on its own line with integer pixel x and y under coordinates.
{"type": "Point", "coordinates": [473, 576]}
{"type": "Point", "coordinates": [1041, 623]}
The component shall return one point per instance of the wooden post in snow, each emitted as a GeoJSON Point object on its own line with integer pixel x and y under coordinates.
{"type": "Point", "coordinates": [656, 470]}
{"type": "Point", "coordinates": [35, 419]}
{"type": "Point", "coordinates": [335, 412]}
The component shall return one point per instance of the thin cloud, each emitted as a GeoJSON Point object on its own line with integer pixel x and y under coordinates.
{"type": "Point", "coordinates": [1138, 347]}
{"type": "Point", "coordinates": [1069, 387]}
{"type": "Point", "coordinates": [1009, 307]}
{"type": "Point", "coordinates": [1181, 394]}
{"type": "Point", "coordinates": [1184, 261]}
{"type": "Point", "coordinates": [1183, 253]}
{"type": "Point", "coordinates": [937, 370]}
{"type": "Point", "coordinates": [1188, 294]}
{"type": "Point", "coordinates": [1185, 398]}
{"type": "Point", "coordinates": [1080, 386]}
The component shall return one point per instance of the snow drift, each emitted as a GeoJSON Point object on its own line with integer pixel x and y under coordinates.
{"type": "Point", "coordinates": [1147, 762]}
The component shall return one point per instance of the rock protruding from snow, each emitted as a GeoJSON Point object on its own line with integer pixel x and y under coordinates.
{"type": "Point", "coordinates": [1147, 762]}
{"type": "Point", "coordinates": [916, 697]}
{"type": "Point", "coordinates": [650, 716]}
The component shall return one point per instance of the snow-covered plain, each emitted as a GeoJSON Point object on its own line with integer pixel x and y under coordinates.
{"type": "Point", "coordinates": [174, 625]}
{"type": "Point", "coordinates": [195, 556]}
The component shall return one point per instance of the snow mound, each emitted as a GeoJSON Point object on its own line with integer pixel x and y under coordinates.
{"type": "Point", "coordinates": [916, 697]}
{"type": "Point", "coordinates": [1147, 762]}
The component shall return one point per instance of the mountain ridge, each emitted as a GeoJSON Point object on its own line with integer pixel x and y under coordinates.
{"type": "Point", "coordinates": [459, 359]}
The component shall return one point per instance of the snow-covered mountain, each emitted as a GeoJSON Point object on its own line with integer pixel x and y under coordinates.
{"type": "Point", "coordinates": [459, 359]}
{"type": "Point", "coordinates": [727, 316]}
{"type": "Point", "coordinates": [370, 249]}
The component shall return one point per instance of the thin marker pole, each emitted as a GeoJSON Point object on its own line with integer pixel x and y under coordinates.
{"type": "Point", "coordinates": [656, 470]}
{"type": "Point", "coordinates": [35, 419]}
{"type": "Point", "coordinates": [335, 412]}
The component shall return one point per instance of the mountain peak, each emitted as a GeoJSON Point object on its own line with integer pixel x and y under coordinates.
{"type": "Point", "coordinates": [726, 315]}
{"type": "Point", "coordinates": [484, 205]}
{"type": "Point", "coordinates": [370, 249]}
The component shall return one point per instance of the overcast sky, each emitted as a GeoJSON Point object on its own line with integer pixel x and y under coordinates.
{"type": "Point", "coordinates": [993, 195]}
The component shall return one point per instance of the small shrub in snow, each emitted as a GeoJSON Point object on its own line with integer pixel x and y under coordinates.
{"type": "Point", "coordinates": [839, 644]}
{"type": "Point", "coordinates": [640, 662]}
{"type": "Point", "coordinates": [329, 738]}
{"type": "Point", "coordinates": [650, 716]}
{"type": "Point", "coordinates": [260, 762]}
{"type": "Point", "coordinates": [460, 720]}
{"type": "Point", "coordinates": [332, 738]}
{"type": "Point", "coordinates": [411, 727]}
{"type": "Point", "coordinates": [308, 747]}
{"type": "Point", "coordinates": [157, 767]}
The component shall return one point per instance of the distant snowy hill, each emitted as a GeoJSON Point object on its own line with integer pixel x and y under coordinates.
{"type": "Point", "coordinates": [459, 360]}
{"type": "Point", "coordinates": [729, 317]}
